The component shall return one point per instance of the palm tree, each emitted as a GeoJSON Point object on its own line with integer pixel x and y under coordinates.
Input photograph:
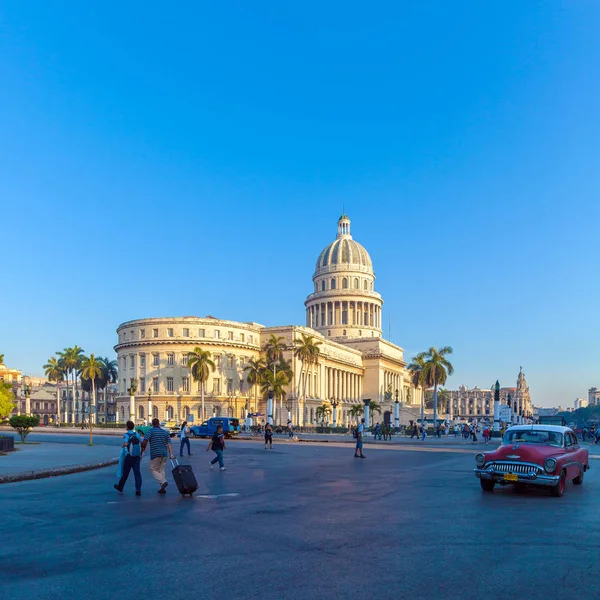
{"type": "Point", "coordinates": [275, 383]}
{"type": "Point", "coordinates": [374, 407]}
{"type": "Point", "coordinates": [415, 368]}
{"type": "Point", "coordinates": [54, 372]}
{"type": "Point", "coordinates": [436, 369]}
{"type": "Point", "coordinates": [322, 412]}
{"type": "Point", "coordinates": [110, 374]}
{"type": "Point", "coordinates": [308, 351]}
{"type": "Point", "coordinates": [444, 400]}
{"type": "Point", "coordinates": [356, 411]}
{"type": "Point", "coordinates": [201, 365]}
{"type": "Point", "coordinates": [254, 370]}
{"type": "Point", "coordinates": [71, 359]}
{"type": "Point", "coordinates": [91, 369]}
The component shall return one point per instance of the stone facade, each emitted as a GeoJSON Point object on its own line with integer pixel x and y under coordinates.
{"type": "Point", "coordinates": [478, 403]}
{"type": "Point", "coordinates": [343, 313]}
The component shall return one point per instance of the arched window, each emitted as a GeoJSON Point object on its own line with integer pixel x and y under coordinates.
{"type": "Point", "coordinates": [186, 413]}
{"type": "Point", "coordinates": [359, 333]}
{"type": "Point", "coordinates": [356, 285]}
{"type": "Point", "coordinates": [122, 413]}
{"type": "Point", "coordinates": [169, 413]}
{"type": "Point", "coordinates": [371, 286]}
{"type": "Point", "coordinates": [344, 284]}
{"type": "Point", "coordinates": [155, 412]}
{"type": "Point", "coordinates": [316, 287]}
{"type": "Point", "coordinates": [329, 332]}
{"type": "Point", "coordinates": [344, 332]}
{"type": "Point", "coordinates": [323, 285]}
{"type": "Point", "coordinates": [333, 284]}
{"type": "Point", "coordinates": [365, 284]}
{"type": "Point", "coordinates": [140, 412]}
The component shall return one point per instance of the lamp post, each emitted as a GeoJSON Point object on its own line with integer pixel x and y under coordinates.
{"type": "Point", "coordinates": [367, 402]}
{"type": "Point", "coordinates": [497, 408]}
{"type": "Point", "coordinates": [334, 404]}
{"type": "Point", "coordinates": [270, 408]}
{"type": "Point", "coordinates": [397, 413]}
{"type": "Point", "coordinates": [149, 404]}
{"type": "Point", "coordinates": [27, 392]}
{"type": "Point", "coordinates": [132, 389]}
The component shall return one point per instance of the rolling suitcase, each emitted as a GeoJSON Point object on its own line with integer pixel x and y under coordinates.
{"type": "Point", "coordinates": [184, 477]}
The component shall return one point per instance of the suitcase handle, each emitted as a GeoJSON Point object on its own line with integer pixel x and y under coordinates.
{"type": "Point", "coordinates": [174, 463]}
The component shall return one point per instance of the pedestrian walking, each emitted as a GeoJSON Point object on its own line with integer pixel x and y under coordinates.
{"type": "Point", "coordinates": [377, 431]}
{"type": "Point", "coordinates": [415, 432]}
{"type": "Point", "coordinates": [360, 430]}
{"type": "Point", "coordinates": [290, 428]}
{"type": "Point", "coordinates": [474, 433]}
{"type": "Point", "coordinates": [185, 441]}
{"type": "Point", "coordinates": [268, 436]}
{"type": "Point", "coordinates": [132, 443]}
{"type": "Point", "coordinates": [486, 434]}
{"type": "Point", "coordinates": [217, 445]}
{"type": "Point", "coordinates": [423, 432]}
{"type": "Point", "coordinates": [160, 449]}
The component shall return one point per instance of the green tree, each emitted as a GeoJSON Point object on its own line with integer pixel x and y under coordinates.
{"type": "Point", "coordinates": [356, 411]}
{"type": "Point", "coordinates": [110, 374]}
{"type": "Point", "coordinates": [91, 369]}
{"type": "Point", "coordinates": [23, 424]}
{"type": "Point", "coordinates": [1, 359]}
{"type": "Point", "coordinates": [254, 373]}
{"type": "Point", "coordinates": [374, 407]}
{"type": "Point", "coordinates": [415, 368]}
{"type": "Point", "coordinates": [436, 369]}
{"type": "Point", "coordinates": [7, 400]}
{"type": "Point", "coordinates": [201, 365]}
{"type": "Point", "coordinates": [71, 360]}
{"type": "Point", "coordinates": [54, 371]}
{"type": "Point", "coordinates": [322, 412]}
{"type": "Point", "coordinates": [275, 383]}
{"type": "Point", "coordinates": [307, 351]}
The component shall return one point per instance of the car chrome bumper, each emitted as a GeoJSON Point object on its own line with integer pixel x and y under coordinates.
{"type": "Point", "coordinates": [531, 478]}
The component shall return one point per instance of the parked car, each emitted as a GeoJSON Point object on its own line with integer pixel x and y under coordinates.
{"type": "Point", "coordinates": [547, 455]}
{"type": "Point", "coordinates": [231, 427]}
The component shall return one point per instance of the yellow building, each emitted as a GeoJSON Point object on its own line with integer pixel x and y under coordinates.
{"type": "Point", "coordinates": [343, 312]}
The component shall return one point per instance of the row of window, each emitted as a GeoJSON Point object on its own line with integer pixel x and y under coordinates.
{"type": "Point", "coordinates": [183, 387]}
{"type": "Point", "coordinates": [183, 360]}
{"type": "Point", "coordinates": [332, 284]}
{"type": "Point", "coordinates": [186, 332]}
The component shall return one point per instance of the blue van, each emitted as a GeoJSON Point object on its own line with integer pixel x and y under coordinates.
{"type": "Point", "coordinates": [231, 427]}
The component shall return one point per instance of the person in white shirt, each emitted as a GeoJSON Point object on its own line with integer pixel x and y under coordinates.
{"type": "Point", "coordinates": [359, 440]}
{"type": "Point", "coordinates": [183, 436]}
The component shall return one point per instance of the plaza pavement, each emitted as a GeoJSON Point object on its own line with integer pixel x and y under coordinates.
{"type": "Point", "coordinates": [303, 521]}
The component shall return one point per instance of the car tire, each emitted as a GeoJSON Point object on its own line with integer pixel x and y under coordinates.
{"type": "Point", "coordinates": [559, 489]}
{"type": "Point", "coordinates": [192, 434]}
{"type": "Point", "coordinates": [579, 479]}
{"type": "Point", "coordinates": [487, 485]}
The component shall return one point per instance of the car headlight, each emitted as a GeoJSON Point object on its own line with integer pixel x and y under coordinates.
{"type": "Point", "coordinates": [550, 465]}
{"type": "Point", "coordinates": [480, 459]}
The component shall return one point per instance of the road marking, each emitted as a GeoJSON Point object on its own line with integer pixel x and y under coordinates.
{"type": "Point", "coordinates": [212, 496]}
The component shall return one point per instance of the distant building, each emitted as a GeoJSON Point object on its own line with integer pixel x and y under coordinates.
{"type": "Point", "coordinates": [548, 412]}
{"type": "Point", "coordinates": [593, 396]}
{"type": "Point", "coordinates": [580, 403]}
{"type": "Point", "coordinates": [478, 403]}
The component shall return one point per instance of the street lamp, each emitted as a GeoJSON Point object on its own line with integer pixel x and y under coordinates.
{"type": "Point", "coordinates": [27, 391]}
{"type": "Point", "coordinates": [334, 404]}
{"type": "Point", "coordinates": [132, 390]}
{"type": "Point", "coordinates": [397, 413]}
{"type": "Point", "coordinates": [149, 404]}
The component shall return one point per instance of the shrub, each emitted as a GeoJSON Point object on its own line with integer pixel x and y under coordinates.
{"type": "Point", "coordinates": [23, 424]}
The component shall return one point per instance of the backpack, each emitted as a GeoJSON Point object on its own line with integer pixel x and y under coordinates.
{"type": "Point", "coordinates": [133, 446]}
{"type": "Point", "coordinates": [355, 433]}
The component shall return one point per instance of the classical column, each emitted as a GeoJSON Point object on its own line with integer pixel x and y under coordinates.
{"type": "Point", "coordinates": [366, 413]}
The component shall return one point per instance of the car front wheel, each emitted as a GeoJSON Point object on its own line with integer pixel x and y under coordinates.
{"type": "Point", "coordinates": [192, 434]}
{"type": "Point", "coordinates": [559, 489]}
{"type": "Point", "coordinates": [579, 479]}
{"type": "Point", "coordinates": [487, 485]}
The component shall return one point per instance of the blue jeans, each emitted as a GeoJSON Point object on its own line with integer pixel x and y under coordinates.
{"type": "Point", "coordinates": [131, 463]}
{"type": "Point", "coordinates": [218, 457]}
{"type": "Point", "coordinates": [184, 442]}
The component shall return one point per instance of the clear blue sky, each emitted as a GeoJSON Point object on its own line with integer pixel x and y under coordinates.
{"type": "Point", "coordinates": [192, 158]}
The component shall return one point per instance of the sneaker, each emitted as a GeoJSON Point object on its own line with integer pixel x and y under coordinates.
{"type": "Point", "coordinates": [138, 493]}
{"type": "Point", "coordinates": [361, 456]}
{"type": "Point", "coordinates": [221, 468]}
{"type": "Point", "coordinates": [116, 486]}
{"type": "Point", "coordinates": [163, 488]}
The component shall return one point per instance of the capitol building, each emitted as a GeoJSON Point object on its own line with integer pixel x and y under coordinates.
{"type": "Point", "coordinates": [343, 312]}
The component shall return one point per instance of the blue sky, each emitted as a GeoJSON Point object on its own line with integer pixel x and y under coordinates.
{"type": "Point", "coordinates": [193, 158]}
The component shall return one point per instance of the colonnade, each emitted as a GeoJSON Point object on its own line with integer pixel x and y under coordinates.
{"type": "Point", "coordinates": [344, 312]}
{"type": "Point", "coordinates": [343, 385]}
{"type": "Point", "coordinates": [396, 381]}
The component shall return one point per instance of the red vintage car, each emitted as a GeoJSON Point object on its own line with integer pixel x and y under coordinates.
{"type": "Point", "coordinates": [548, 455]}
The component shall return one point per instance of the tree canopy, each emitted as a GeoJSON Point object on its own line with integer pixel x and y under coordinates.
{"type": "Point", "coordinates": [7, 400]}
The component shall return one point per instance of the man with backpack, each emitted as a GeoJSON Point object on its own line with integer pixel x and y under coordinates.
{"type": "Point", "coordinates": [133, 443]}
{"type": "Point", "coordinates": [358, 435]}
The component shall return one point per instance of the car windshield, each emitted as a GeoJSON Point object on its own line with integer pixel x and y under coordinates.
{"type": "Point", "coordinates": [533, 436]}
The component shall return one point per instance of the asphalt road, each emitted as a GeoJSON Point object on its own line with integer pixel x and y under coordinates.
{"type": "Point", "coordinates": [304, 522]}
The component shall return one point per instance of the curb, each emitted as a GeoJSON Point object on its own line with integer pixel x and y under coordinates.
{"type": "Point", "coordinates": [44, 473]}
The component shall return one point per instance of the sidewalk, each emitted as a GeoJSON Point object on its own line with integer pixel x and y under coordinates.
{"type": "Point", "coordinates": [66, 430]}
{"type": "Point", "coordinates": [35, 461]}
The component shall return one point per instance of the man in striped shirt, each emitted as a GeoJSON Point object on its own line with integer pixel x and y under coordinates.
{"type": "Point", "coordinates": [160, 448]}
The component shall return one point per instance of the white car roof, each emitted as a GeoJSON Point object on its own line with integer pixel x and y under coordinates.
{"type": "Point", "coordinates": [556, 428]}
